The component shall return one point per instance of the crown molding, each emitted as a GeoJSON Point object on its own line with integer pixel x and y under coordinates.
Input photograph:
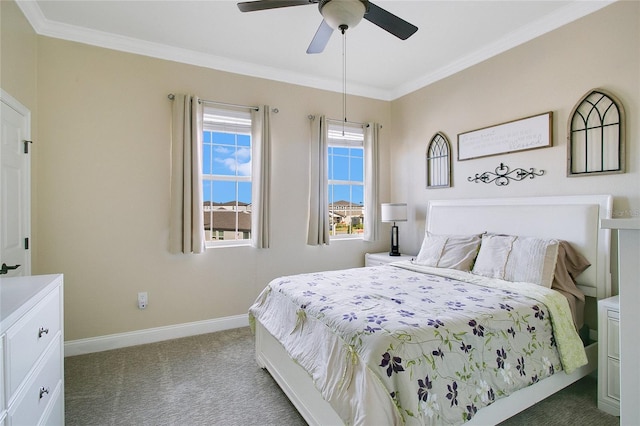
{"type": "Point", "coordinates": [561, 17]}
{"type": "Point", "coordinates": [45, 27]}
{"type": "Point", "coordinates": [42, 26]}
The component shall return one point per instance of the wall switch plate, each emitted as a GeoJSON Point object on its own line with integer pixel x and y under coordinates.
{"type": "Point", "coordinates": [143, 300]}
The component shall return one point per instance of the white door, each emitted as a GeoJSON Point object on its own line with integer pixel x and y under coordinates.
{"type": "Point", "coordinates": [15, 194]}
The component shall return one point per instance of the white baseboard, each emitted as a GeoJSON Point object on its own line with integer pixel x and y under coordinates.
{"type": "Point", "coordinates": [151, 335]}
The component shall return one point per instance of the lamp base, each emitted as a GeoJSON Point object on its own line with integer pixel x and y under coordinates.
{"type": "Point", "coordinates": [395, 246]}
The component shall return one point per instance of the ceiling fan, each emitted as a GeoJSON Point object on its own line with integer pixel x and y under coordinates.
{"type": "Point", "coordinates": [339, 15]}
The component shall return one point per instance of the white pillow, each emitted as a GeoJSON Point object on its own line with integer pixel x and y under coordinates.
{"type": "Point", "coordinates": [431, 250]}
{"type": "Point", "coordinates": [532, 260]}
{"type": "Point", "coordinates": [518, 259]}
{"type": "Point", "coordinates": [448, 251]}
{"type": "Point", "coordinates": [493, 255]}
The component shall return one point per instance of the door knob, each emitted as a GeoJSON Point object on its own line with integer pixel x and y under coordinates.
{"type": "Point", "coordinates": [6, 268]}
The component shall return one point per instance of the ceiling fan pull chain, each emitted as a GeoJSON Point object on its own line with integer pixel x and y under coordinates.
{"type": "Point", "coordinates": [344, 76]}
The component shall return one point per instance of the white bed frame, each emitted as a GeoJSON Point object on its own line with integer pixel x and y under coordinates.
{"type": "Point", "coordinates": [572, 218]}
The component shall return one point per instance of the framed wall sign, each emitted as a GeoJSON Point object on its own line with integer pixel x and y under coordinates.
{"type": "Point", "coordinates": [518, 135]}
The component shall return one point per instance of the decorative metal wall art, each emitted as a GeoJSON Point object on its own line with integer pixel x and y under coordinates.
{"type": "Point", "coordinates": [517, 135]}
{"type": "Point", "coordinates": [438, 162]}
{"type": "Point", "coordinates": [596, 135]}
{"type": "Point", "coordinates": [503, 175]}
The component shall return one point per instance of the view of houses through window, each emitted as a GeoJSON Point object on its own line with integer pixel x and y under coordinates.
{"type": "Point", "coordinates": [346, 181]}
{"type": "Point", "coordinates": [226, 173]}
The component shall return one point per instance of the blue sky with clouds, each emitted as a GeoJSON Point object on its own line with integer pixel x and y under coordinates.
{"type": "Point", "coordinates": [227, 154]}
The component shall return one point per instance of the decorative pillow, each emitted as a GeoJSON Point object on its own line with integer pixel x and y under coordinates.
{"type": "Point", "coordinates": [431, 250]}
{"type": "Point", "coordinates": [518, 259]}
{"type": "Point", "coordinates": [493, 255]}
{"type": "Point", "coordinates": [448, 251]}
{"type": "Point", "coordinates": [532, 260]}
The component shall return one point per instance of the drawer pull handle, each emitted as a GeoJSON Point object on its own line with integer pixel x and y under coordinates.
{"type": "Point", "coordinates": [43, 391]}
{"type": "Point", "coordinates": [42, 331]}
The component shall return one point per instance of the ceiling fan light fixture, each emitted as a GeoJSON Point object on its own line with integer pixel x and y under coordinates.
{"type": "Point", "coordinates": [342, 13]}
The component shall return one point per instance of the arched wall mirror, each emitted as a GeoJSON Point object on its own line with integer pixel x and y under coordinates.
{"type": "Point", "coordinates": [438, 162]}
{"type": "Point", "coordinates": [596, 135]}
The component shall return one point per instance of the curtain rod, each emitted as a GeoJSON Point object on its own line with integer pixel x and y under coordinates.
{"type": "Point", "coordinates": [335, 120]}
{"type": "Point", "coordinates": [204, 101]}
{"type": "Point", "coordinates": [346, 122]}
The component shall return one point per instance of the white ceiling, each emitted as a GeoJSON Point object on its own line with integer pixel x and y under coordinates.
{"type": "Point", "coordinates": [452, 36]}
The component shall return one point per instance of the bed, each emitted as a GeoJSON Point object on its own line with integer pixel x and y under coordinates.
{"type": "Point", "coordinates": [392, 345]}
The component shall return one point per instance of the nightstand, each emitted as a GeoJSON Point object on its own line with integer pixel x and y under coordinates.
{"type": "Point", "coordinates": [609, 355]}
{"type": "Point", "coordinates": [377, 259]}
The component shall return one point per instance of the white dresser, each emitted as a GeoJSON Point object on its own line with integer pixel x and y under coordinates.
{"type": "Point", "coordinates": [31, 351]}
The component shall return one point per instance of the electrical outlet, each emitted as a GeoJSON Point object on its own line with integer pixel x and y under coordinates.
{"type": "Point", "coordinates": [143, 300]}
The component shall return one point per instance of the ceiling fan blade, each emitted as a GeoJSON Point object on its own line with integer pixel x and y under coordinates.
{"type": "Point", "coordinates": [252, 6]}
{"type": "Point", "coordinates": [320, 40]}
{"type": "Point", "coordinates": [389, 22]}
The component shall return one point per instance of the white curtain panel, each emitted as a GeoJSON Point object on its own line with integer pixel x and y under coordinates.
{"type": "Point", "coordinates": [372, 182]}
{"type": "Point", "coordinates": [260, 176]}
{"type": "Point", "coordinates": [186, 227]}
{"type": "Point", "coordinates": [318, 233]}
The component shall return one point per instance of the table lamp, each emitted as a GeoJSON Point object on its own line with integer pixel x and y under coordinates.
{"type": "Point", "coordinates": [394, 212]}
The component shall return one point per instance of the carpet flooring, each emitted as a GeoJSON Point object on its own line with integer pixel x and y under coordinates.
{"type": "Point", "coordinates": [213, 379]}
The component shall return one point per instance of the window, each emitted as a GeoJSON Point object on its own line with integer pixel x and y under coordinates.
{"type": "Point", "coordinates": [346, 181]}
{"type": "Point", "coordinates": [226, 175]}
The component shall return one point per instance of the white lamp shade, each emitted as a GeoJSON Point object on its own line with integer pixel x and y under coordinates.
{"type": "Point", "coordinates": [343, 12]}
{"type": "Point", "coordinates": [394, 212]}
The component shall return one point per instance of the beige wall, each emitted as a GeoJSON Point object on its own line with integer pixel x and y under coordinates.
{"type": "Point", "coordinates": [104, 190]}
{"type": "Point", "coordinates": [101, 169]}
{"type": "Point", "coordinates": [18, 55]}
{"type": "Point", "coordinates": [101, 161]}
{"type": "Point", "coordinates": [550, 73]}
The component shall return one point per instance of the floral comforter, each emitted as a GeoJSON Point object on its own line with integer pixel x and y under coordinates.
{"type": "Point", "coordinates": [397, 344]}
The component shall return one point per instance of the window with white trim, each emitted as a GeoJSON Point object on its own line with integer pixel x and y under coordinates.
{"type": "Point", "coordinates": [226, 176]}
{"type": "Point", "coordinates": [346, 181]}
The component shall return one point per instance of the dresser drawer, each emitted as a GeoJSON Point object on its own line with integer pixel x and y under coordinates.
{"type": "Point", "coordinates": [41, 391]}
{"type": "Point", "coordinates": [379, 259]}
{"type": "Point", "coordinates": [613, 336]}
{"type": "Point", "coordinates": [613, 378]}
{"type": "Point", "coordinates": [29, 337]}
{"type": "Point", "coordinates": [2, 405]}
{"type": "Point", "coordinates": [375, 262]}
{"type": "Point", "coordinates": [55, 414]}
{"type": "Point", "coordinates": [609, 355]}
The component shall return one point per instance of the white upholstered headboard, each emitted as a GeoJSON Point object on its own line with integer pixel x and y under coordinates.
{"type": "Point", "coordinates": [575, 219]}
